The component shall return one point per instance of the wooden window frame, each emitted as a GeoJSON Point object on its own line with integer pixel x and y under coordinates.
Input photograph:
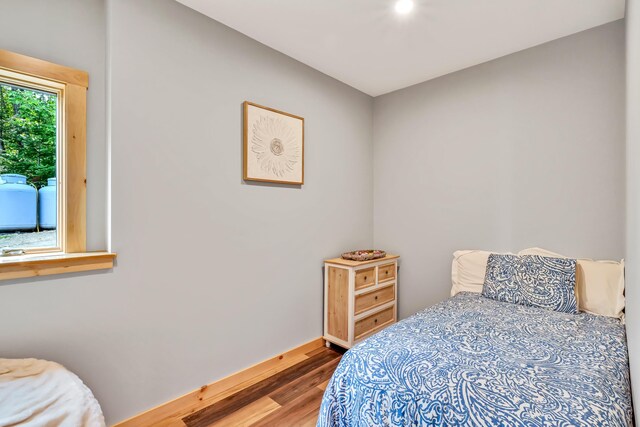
{"type": "Point", "coordinates": [58, 89]}
{"type": "Point", "coordinates": [72, 85]}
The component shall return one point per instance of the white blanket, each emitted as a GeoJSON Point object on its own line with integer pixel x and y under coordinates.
{"type": "Point", "coordinates": [40, 393]}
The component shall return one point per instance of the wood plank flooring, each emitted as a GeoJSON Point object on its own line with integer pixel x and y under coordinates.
{"type": "Point", "coordinates": [289, 398]}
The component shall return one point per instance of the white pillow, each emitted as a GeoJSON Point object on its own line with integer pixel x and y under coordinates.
{"type": "Point", "coordinates": [468, 270]}
{"type": "Point", "coordinates": [599, 284]}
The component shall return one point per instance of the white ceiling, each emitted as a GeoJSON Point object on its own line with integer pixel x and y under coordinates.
{"type": "Point", "coordinates": [365, 44]}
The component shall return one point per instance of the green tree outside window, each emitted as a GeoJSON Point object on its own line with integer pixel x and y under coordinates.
{"type": "Point", "coordinates": [28, 133]}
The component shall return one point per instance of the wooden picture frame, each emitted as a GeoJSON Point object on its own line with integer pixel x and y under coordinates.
{"type": "Point", "coordinates": [273, 145]}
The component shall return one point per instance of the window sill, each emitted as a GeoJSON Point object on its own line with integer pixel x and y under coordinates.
{"type": "Point", "coordinates": [19, 267]}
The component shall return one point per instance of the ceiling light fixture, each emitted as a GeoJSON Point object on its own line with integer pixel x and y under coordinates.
{"type": "Point", "coordinates": [404, 6]}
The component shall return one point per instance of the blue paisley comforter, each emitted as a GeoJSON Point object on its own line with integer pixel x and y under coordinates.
{"type": "Point", "coordinates": [473, 361]}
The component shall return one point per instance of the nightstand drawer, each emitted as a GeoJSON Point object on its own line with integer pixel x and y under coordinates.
{"type": "Point", "coordinates": [365, 278]}
{"type": "Point", "coordinates": [374, 322]}
{"type": "Point", "coordinates": [373, 299]}
{"type": "Point", "coordinates": [387, 272]}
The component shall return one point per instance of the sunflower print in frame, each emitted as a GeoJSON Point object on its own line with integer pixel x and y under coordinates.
{"type": "Point", "coordinates": [273, 145]}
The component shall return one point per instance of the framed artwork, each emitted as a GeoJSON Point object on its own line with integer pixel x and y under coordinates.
{"type": "Point", "coordinates": [273, 145]}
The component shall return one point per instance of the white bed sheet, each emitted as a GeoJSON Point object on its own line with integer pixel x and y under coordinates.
{"type": "Point", "coordinates": [40, 393]}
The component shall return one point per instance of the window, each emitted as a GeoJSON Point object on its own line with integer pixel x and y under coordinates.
{"type": "Point", "coordinates": [43, 169]}
{"type": "Point", "coordinates": [29, 141]}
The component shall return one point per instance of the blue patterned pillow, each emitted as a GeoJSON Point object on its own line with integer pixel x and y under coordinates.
{"type": "Point", "coordinates": [532, 280]}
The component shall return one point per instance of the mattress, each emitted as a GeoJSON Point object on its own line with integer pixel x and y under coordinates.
{"type": "Point", "coordinates": [473, 361]}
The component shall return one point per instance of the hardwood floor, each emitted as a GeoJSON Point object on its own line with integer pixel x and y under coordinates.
{"type": "Point", "coordinates": [289, 398]}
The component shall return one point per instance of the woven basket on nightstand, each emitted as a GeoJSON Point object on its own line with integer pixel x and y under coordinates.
{"type": "Point", "coordinates": [364, 255]}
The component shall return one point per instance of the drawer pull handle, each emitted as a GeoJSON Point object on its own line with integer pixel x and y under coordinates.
{"type": "Point", "coordinates": [376, 298]}
{"type": "Point", "coordinates": [375, 320]}
{"type": "Point", "coordinates": [365, 277]}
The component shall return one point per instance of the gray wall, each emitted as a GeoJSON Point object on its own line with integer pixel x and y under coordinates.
{"type": "Point", "coordinates": [632, 266]}
{"type": "Point", "coordinates": [526, 150]}
{"type": "Point", "coordinates": [213, 274]}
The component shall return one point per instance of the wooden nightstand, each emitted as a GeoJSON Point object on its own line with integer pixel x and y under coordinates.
{"type": "Point", "coordinates": [359, 298]}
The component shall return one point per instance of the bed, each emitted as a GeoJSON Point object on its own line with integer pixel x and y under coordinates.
{"type": "Point", "coordinates": [35, 393]}
{"type": "Point", "coordinates": [475, 361]}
